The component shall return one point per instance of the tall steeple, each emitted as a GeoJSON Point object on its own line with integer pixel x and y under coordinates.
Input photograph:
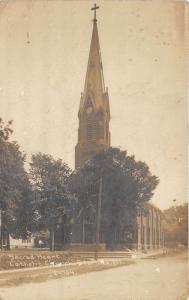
{"type": "Point", "coordinates": [94, 112]}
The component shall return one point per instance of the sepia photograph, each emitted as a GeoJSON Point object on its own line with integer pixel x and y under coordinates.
{"type": "Point", "coordinates": [93, 150]}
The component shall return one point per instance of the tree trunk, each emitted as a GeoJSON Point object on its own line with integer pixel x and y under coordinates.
{"type": "Point", "coordinates": [113, 225]}
{"type": "Point", "coordinates": [8, 241]}
{"type": "Point", "coordinates": [83, 230]}
{"type": "Point", "coordinates": [52, 239]}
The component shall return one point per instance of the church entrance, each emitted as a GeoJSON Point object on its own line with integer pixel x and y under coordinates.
{"type": "Point", "coordinates": [88, 237]}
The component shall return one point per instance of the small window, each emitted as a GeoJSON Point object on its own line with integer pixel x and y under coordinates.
{"type": "Point", "coordinates": [91, 128]}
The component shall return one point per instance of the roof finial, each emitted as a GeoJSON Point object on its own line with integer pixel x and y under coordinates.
{"type": "Point", "coordinates": [95, 8]}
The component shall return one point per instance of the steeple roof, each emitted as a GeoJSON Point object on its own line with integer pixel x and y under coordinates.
{"type": "Point", "coordinates": [94, 88]}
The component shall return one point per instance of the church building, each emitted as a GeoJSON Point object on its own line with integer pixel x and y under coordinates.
{"type": "Point", "coordinates": [94, 136]}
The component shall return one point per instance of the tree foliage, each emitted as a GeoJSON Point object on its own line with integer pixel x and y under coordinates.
{"type": "Point", "coordinates": [13, 183]}
{"type": "Point", "coordinates": [5, 130]}
{"type": "Point", "coordinates": [176, 224]}
{"type": "Point", "coordinates": [49, 178]}
{"type": "Point", "coordinates": [127, 185]}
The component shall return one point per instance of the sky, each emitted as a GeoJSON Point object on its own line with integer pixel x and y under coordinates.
{"type": "Point", "coordinates": [44, 47]}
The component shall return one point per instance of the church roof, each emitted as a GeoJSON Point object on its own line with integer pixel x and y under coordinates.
{"type": "Point", "coordinates": [94, 89]}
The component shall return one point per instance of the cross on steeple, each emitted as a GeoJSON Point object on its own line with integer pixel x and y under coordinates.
{"type": "Point", "coordinates": [95, 8]}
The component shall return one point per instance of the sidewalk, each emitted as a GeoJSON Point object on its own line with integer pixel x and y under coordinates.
{"type": "Point", "coordinates": [157, 252]}
{"type": "Point", "coordinates": [148, 253]}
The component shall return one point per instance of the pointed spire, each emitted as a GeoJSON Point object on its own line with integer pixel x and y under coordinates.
{"type": "Point", "coordinates": [94, 111]}
{"type": "Point", "coordinates": [94, 88]}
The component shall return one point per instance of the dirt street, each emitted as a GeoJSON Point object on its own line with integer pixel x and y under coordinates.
{"type": "Point", "coordinates": [149, 279]}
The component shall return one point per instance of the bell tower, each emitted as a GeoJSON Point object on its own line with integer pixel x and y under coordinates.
{"type": "Point", "coordinates": [94, 111]}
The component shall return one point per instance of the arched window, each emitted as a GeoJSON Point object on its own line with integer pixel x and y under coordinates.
{"type": "Point", "coordinates": [101, 126]}
{"type": "Point", "coordinates": [90, 121]}
{"type": "Point", "coordinates": [91, 128]}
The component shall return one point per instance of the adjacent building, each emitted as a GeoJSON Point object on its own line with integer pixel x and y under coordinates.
{"type": "Point", "coordinates": [149, 228]}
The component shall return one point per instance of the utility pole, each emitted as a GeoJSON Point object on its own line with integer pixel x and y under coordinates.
{"type": "Point", "coordinates": [52, 239]}
{"type": "Point", "coordinates": [1, 228]}
{"type": "Point", "coordinates": [98, 218]}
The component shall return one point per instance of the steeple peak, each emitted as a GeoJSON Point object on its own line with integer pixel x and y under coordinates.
{"type": "Point", "coordinates": [94, 82]}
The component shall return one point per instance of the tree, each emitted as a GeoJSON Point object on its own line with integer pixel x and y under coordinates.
{"type": "Point", "coordinates": [176, 224]}
{"type": "Point", "coordinates": [127, 185]}
{"type": "Point", "coordinates": [52, 205]}
{"type": "Point", "coordinates": [22, 219]}
{"type": "Point", "coordinates": [5, 130]}
{"type": "Point", "coordinates": [13, 182]}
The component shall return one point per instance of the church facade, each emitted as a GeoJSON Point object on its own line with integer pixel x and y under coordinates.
{"type": "Point", "coordinates": [93, 136]}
